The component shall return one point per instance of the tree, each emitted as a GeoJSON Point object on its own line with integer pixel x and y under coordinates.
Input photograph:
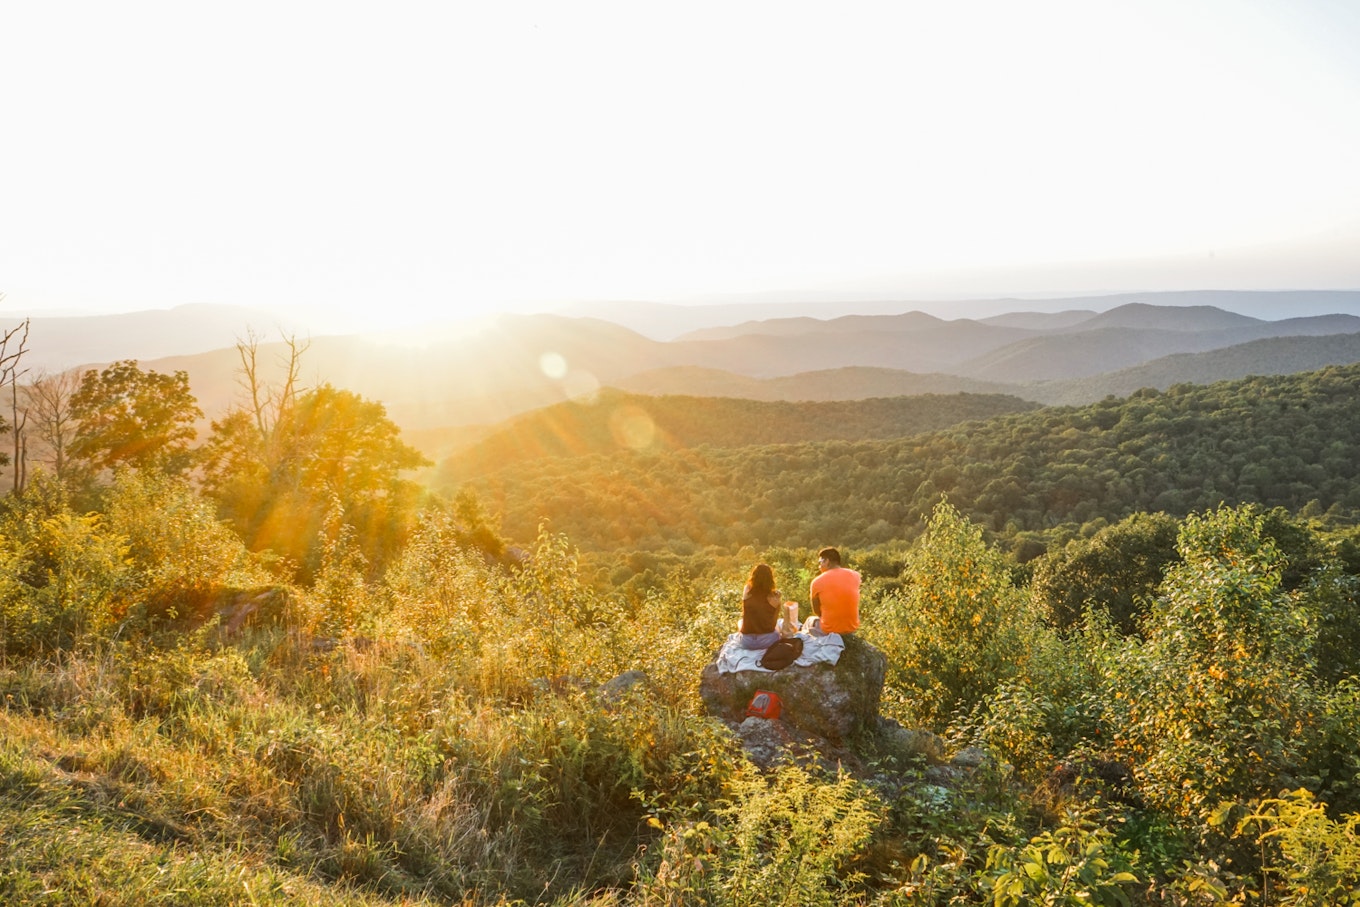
{"type": "Point", "coordinates": [240, 458]}
{"type": "Point", "coordinates": [267, 402]}
{"type": "Point", "coordinates": [1117, 570]}
{"type": "Point", "coordinates": [278, 467]}
{"type": "Point", "coordinates": [335, 438]}
{"type": "Point", "coordinates": [129, 417]}
{"type": "Point", "coordinates": [48, 401]}
{"type": "Point", "coordinates": [10, 373]}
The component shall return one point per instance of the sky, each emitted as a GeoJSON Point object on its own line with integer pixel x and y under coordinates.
{"type": "Point", "coordinates": [377, 164]}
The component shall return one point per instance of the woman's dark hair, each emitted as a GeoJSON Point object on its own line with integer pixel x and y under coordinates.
{"type": "Point", "coordinates": [761, 580]}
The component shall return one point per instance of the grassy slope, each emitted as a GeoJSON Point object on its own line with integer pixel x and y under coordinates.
{"type": "Point", "coordinates": [77, 837]}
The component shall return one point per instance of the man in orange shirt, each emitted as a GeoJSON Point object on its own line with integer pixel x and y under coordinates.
{"type": "Point", "coordinates": [835, 594]}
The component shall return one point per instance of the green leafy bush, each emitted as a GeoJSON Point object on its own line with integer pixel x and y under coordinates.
{"type": "Point", "coordinates": [337, 604]}
{"type": "Point", "coordinates": [1116, 571]}
{"type": "Point", "coordinates": [63, 576]}
{"type": "Point", "coordinates": [959, 628]}
{"type": "Point", "coordinates": [1075, 864]}
{"type": "Point", "coordinates": [1332, 769]}
{"type": "Point", "coordinates": [1220, 699]}
{"type": "Point", "coordinates": [440, 591]}
{"type": "Point", "coordinates": [1311, 860]}
{"type": "Point", "coordinates": [792, 839]}
{"type": "Point", "coordinates": [508, 629]}
{"type": "Point", "coordinates": [181, 556]}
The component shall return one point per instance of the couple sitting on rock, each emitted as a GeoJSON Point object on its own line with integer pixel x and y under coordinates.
{"type": "Point", "coordinates": [834, 596]}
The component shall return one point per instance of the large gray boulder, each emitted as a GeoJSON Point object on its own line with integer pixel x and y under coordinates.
{"type": "Point", "coordinates": [835, 702]}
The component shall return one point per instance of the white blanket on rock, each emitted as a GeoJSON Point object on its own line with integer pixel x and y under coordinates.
{"type": "Point", "coordinates": [816, 650]}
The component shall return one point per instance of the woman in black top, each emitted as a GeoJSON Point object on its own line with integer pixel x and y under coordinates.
{"type": "Point", "coordinates": [760, 607]}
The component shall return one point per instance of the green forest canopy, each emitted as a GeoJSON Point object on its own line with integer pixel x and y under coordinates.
{"type": "Point", "coordinates": [1290, 441]}
{"type": "Point", "coordinates": [616, 421]}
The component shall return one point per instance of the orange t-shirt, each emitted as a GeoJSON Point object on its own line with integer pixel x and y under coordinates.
{"type": "Point", "coordinates": [838, 591]}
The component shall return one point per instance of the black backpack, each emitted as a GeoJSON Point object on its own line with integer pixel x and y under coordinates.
{"type": "Point", "coordinates": [783, 653]}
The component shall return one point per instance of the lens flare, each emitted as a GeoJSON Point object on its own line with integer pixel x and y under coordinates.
{"type": "Point", "coordinates": [581, 386]}
{"type": "Point", "coordinates": [554, 365]}
{"type": "Point", "coordinates": [632, 427]}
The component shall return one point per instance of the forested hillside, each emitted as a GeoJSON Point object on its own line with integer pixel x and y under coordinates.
{"type": "Point", "coordinates": [1273, 356]}
{"type": "Point", "coordinates": [1291, 441]}
{"type": "Point", "coordinates": [613, 421]}
{"type": "Point", "coordinates": [856, 382]}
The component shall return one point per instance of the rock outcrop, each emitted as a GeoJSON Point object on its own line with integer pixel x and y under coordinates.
{"type": "Point", "coordinates": [834, 702]}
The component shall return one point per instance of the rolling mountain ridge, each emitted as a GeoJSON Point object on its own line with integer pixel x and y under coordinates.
{"type": "Point", "coordinates": [1272, 356]}
{"type": "Point", "coordinates": [661, 321]}
{"type": "Point", "coordinates": [509, 364]}
{"type": "Point", "coordinates": [1115, 343]}
{"type": "Point", "coordinates": [58, 343]}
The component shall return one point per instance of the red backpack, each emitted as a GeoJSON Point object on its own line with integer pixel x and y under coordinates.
{"type": "Point", "coordinates": [764, 704]}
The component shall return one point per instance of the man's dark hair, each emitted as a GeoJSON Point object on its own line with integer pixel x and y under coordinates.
{"type": "Point", "coordinates": [830, 554]}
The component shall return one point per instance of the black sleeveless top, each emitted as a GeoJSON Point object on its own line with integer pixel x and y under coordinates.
{"type": "Point", "coordinates": [757, 614]}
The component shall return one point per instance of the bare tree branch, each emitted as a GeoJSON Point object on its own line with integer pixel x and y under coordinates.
{"type": "Point", "coordinates": [288, 396]}
{"type": "Point", "coordinates": [268, 403]}
{"type": "Point", "coordinates": [48, 399]}
{"type": "Point", "coordinates": [10, 373]}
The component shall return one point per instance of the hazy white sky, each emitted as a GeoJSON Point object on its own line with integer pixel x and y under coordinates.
{"type": "Point", "coordinates": [421, 157]}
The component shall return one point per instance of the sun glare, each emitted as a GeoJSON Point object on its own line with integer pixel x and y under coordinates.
{"type": "Point", "coordinates": [581, 386]}
{"type": "Point", "coordinates": [632, 427]}
{"type": "Point", "coordinates": [553, 365]}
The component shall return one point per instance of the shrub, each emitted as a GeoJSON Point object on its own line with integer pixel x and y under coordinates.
{"type": "Point", "coordinates": [62, 576]}
{"type": "Point", "coordinates": [1059, 705]}
{"type": "Point", "coordinates": [1309, 858]}
{"type": "Point", "coordinates": [676, 631]}
{"type": "Point", "coordinates": [181, 556]}
{"type": "Point", "coordinates": [1117, 571]}
{"type": "Point", "coordinates": [958, 630]}
{"type": "Point", "coordinates": [1332, 599]}
{"type": "Point", "coordinates": [338, 603]}
{"type": "Point", "coordinates": [439, 591]}
{"type": "Point", "coordinates": [1220, 698]}
{"type": "Point", "coordinates": [1078, 863]}
{"type": "Point", "coordinates": [510, 629]}
{"type": "Point", "coordinates": [1332, 770]}
{"type": "Point", "coordinates": [790, 839]}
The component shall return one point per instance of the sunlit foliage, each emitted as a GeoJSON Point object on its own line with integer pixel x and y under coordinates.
{"type": "Point", "coordinates": [276, 482]}
{"type": "Point", "coordinates": [959, 626]}
{"type": "Point", "coordinates": [1310, 859]}
{"type": "Point", "coordinates": [179, 554]}
{"type": "Point", "coordinates": [535, 622]}
{"type": "Point", "coordinates": [1078, 863]}
{"type": "Point", "coordinates": [1221, 699]}
{"type": "Point", "coordinates": [129, 417]}
{"type": "Point", "coordinates": [792, 838]}
{"type": "Point", "coordinates": [62, 574]}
